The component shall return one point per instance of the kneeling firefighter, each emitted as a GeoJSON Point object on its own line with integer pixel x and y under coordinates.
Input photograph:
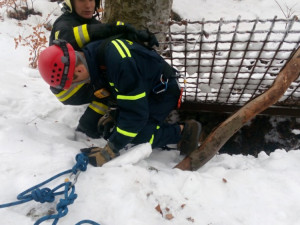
{"type": "Point", "coordinates": [78, 26]}
{"type": "Point", "coordinates": [142, 84]}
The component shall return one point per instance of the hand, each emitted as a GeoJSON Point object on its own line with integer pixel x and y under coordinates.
{"type": "Point", "coordinates": [147, 36]}
{"type": "Point", "coordinates": [139, 36]}
{"type": "Point", "coordinates": [124, 28]}
{"type": "Point", "coordinates": [98, 156]}
{"type": "Point", "coordinates": [106, 124]}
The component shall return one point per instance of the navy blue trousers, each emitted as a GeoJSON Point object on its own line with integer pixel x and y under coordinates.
{"type": "Point", "coordinates": [156, 129]}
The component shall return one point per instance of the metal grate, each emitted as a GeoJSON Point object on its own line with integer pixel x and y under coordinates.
{"type": "Point", "coordinates": [231, 62]}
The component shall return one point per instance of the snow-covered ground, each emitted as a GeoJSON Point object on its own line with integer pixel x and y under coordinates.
{"type": "Point", "coordinates": [38, 141]}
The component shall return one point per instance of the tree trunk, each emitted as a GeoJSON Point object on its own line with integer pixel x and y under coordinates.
{"type": "Point", "coordinates": [225, 130]}
{"type": "Point", "coordinates": [141, 14]}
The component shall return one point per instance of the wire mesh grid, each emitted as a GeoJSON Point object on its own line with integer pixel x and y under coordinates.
{"type": "Point", "coordinates": [231, 62]}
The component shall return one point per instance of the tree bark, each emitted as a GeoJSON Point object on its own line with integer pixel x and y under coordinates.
{"type": "Point", "coordinates": [229, 127]}
{"type": "Point", "coordinates": [151, 14]}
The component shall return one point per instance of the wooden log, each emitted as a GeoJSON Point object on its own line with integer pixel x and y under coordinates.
{"type": "Point", "coordinates": [219, 136]}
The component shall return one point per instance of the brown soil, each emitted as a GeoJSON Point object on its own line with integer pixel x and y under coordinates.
{"type": "Point", "coordinates": [263, 133]}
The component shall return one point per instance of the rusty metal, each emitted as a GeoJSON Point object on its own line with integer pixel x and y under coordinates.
{"type": "Point", "coordinates": [229, 62]}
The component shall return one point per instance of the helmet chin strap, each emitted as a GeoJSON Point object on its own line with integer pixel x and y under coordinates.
{"type": "Point", "coordinates": [83, 60]}
{"type": "Point", "coordinates": [80, 82]}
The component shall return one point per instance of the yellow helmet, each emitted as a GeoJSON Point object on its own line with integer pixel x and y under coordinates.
{"type": "Point", "coordinates": [67, 5]}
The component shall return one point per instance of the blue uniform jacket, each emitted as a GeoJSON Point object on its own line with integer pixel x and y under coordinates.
{"type": "Point", "coordinates": [132, 71]}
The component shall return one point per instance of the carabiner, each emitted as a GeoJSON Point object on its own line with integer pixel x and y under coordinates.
{"type": "Point", "coordinates": [162, 86]}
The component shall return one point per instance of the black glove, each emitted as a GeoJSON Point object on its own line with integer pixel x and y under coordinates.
{"type": "Point", "coordinates": [147, 36]}
{"type": "Point", "coordinates": [106, 124]}
{"type": "Point", "coordinates": [99, 156]}
{"type": "Point", "coordinates": [140, 36]}
{"type": "Point", "coordinates": [123, 28]}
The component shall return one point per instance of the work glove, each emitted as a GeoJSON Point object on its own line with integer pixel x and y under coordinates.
{"type": "Point", "coordinates": [139, 36]}
{"type": "Point", "coordinates": [123, 28]}
{"type": "Point", "coordinates": [98, 156]}
{"type": "Point", "coordinates": [106, 124]}
{"type": "Point", "coordinates": [148, 37]}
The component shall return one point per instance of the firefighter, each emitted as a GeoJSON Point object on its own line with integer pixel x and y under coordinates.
{"type": "Point", "coordinates": [140, 81]}
{"type": "Point", "coordinates": [78, 26]}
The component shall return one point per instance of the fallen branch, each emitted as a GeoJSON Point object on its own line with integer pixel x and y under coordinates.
{"type": "Point", "coordinates": [229, 127]}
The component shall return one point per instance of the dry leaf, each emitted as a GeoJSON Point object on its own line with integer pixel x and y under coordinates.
{"type": "Point", "coordinates": [158, 209]}
{"type": "Point", "coordinates": [169, 216]}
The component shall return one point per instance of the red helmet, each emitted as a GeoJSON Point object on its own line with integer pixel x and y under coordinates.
{"type": "Point", "coordinates": [57, 64]}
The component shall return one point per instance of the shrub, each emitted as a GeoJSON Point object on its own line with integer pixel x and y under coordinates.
{"type": "Point", "coordinates": [18, 9]}
{"type": "Point", "coordinates": [36, 41]}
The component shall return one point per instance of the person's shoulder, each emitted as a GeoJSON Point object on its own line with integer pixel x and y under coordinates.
{"type": "Point", "coordinates": [94, 21]}
{"type": "Point", "coordinates": [63, 17]}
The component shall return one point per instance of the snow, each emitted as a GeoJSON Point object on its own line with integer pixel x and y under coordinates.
{"type": "Point", "coordinates": [38, 141]}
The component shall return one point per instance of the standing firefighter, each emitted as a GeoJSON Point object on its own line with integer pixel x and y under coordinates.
{"type": "Point", "coordinates": [78, 26]}
{"type": "Point", "coordinates": [139, 80]}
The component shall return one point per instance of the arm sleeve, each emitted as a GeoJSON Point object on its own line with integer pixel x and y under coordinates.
{"type": "Point", "coordinates": [80, 35]}
{"type": "Point", "coordinates": [63, 28]}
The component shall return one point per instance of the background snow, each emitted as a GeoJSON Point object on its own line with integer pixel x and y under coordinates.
{"type": "Point", "coordinates": [38, 141]}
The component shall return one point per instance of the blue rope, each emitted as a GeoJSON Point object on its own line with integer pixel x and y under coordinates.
{"type": "Point", "coordinates": [87, 221]}
{"type": "Point", "coordinates": [48, 195]}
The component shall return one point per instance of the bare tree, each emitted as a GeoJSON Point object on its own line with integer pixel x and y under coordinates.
{"type": "Point", "coordinates": [151, 14]}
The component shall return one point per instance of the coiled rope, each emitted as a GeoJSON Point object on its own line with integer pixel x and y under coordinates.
{"type": "Point", "coordinates": [47, 195]}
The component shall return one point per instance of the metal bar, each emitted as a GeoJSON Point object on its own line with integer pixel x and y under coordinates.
{"type": "Point", "coordinates": [256, 61]}
{"type": "Point", "coordinates": [210, 60]}
{"type": "Point", "coordinates": [170, 46]}
{"type": "Point", "coordinates": [199, 58]}
{"type": "Point", "coordinates": [227, 21]}
{"type": "Point", "coordinates": [228, 57]}
{"type": "Point", "coordinates": [243, 58]}
{"type": "Point", "coordinates": [219, 108]}
{"type": "Point", "coordinates": [276, 52]}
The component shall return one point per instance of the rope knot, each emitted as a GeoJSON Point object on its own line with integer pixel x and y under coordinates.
{"type": "Point", "coordinates": [62, 206]}
{"type": "Point", "coordinates": [43, 195]}
{"type": "Point", "coordinates": [82, 162]}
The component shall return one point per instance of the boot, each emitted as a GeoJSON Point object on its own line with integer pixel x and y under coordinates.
{"type": "Point", "coordinates": [190, 137]}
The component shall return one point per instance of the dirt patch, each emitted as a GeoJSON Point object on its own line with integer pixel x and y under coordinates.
{"type": "Point", "coordinates": [263, 133]}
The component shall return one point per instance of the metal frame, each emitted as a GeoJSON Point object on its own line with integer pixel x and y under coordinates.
{"type": "Point", "coordinates": [227, 63]}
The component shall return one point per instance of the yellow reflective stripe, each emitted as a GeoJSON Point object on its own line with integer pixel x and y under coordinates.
{"type": "Point", "coordinates": [119, 49]}
{"type": "Point", "coordinates": [77, 36]}
{"type": "Point", "coordinates": [56, 35]}
{"type": "Point", "coordinates": [120, 23]}
{"type": "Point", "coordinates": [66, 94]}
{"type": "Point", "coordinates": [125, 47]}
{"type": "Point", "coordinates": [131, 97]}
{"type": "Point", "coordinates": [126, 133]}
{"type": "Point", "coordinates": [111, 84]}
{"type": "Point", "coordinates": [151, 140]}
{"type": "Point", "coordinates": [85, 33]}
{"type": "Point", "coordinates": [152, 137]}
{"type": "Point", "coordinates": [98, 107]}
{"type": "Point", "coordinates": [81, 35]}
{"type": "Point", "coordinates": [129, 42]}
